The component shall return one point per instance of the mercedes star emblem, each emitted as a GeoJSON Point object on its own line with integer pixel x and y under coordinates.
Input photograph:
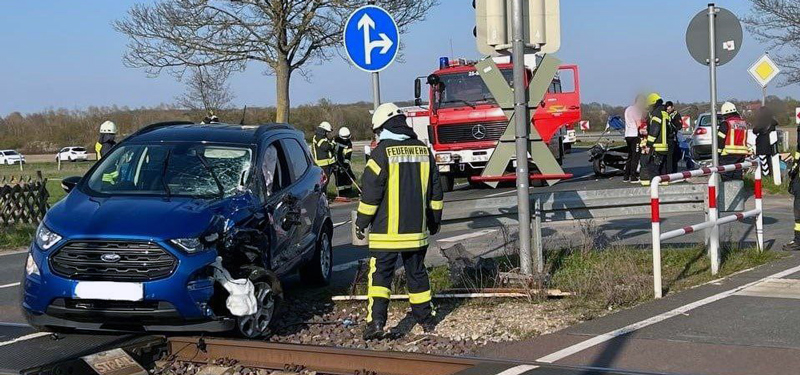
{"type": "Point", "coordinates": [478, 131]}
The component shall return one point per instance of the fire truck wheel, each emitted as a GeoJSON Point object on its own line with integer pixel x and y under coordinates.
{"type": "Point", "coordinates": [447, 182]}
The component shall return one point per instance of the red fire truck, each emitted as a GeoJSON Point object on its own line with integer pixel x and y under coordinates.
{"type": "Point", "coordinates": [462, 122]}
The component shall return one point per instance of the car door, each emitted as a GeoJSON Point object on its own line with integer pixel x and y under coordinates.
{"type": "Point", "coordinates": [305, 190]}
{"type": "Point", "coordinates": [278, 204]}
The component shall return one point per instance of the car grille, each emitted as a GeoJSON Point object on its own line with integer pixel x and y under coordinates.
{"type": "Point", "coordinates": [471, 132]}
{"type": "Point", "coordinates": [137, 261]}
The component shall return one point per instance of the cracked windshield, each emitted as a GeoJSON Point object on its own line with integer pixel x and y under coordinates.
{"type": "Point", "coordinates": [173, 170]}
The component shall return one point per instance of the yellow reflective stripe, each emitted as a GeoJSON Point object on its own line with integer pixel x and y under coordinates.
{"type": "Point", "coordinates": [324, 162]}
{"type": "Point", "coordinates": [650, 138]}
{"type": "Point", "coordinates": [378, 292]}
{"type": "Point", "coordinates": [796, 155]}
{"type": "Point", "coordinates": [348, 150]}
{"type": "Point", "coordinates": [437, 205]}
{"type": "Point", "coordinates": [397, 237]}
{"type": "Point", "coordinates": [371, 164]}
{"type": "Point", "coordinates": [369, 285]}
{"type": "Point", "coordinates": [424, 171]}
{"type": "Point", "coordinates": [797, 227]}
{"type": "Point", "coordinates": [319, 143]}
{"type": "Point", "coordinates": [394, 198]}
{"type": "Point", "coordinates": [396, 245]}
{"type": "Point", "coordinates": [367, 209]}
{"type": "Point", "coordinates": [721, 134]}
{"type": "Point", "coordinates": [657, 119]}
{"type": "Point", "coordinates": [418, 298]}
{"type": "Point", "coordinates": [111, 178]}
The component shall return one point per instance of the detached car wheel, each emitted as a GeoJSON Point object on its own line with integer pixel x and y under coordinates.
{"type": "Point", "coordinates": [257, 325]}
{"type": "Point", "coordinates": [599, 167]}
{"type": "Point", "coordinates": [318, 271]}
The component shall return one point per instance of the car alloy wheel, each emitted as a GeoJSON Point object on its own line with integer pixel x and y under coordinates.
{"type": "Point", "coordinates": [257, 325]}
{"type": "Point", "coordinates": [325, 255]}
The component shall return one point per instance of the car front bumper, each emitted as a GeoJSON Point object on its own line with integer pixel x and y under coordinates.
{"type": "Point", "coordinates": [178, 300]}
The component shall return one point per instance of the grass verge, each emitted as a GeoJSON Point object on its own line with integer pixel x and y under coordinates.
{"type": "Point", "coordinates": [16, 236]}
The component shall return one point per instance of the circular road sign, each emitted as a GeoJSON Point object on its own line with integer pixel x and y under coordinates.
{"type": "Point", "coordinates": [728, 36]}
{"type": "Point", "coordinates": [371, 38]}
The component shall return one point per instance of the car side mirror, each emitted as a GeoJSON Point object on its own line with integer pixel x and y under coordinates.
{"type": "Point", "coordinates": [69, 183]}
{"type": "Point", "coordinates": [417, 90]}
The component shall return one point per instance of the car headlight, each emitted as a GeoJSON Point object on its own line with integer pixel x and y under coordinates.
{"type": "Point", "coordinates": [443, 158]}
{"type": "Point", "coordinates": [190, 245]}
{"type": "Point", "coordinates": [45, 238]}
{"type": "Point", "coordinates": [30, 266]}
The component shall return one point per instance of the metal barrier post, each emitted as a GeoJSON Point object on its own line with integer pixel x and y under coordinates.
{"type": "Point", "coordinates": [656, 233]}
{"type": "Point", "coordinates": [713, 215]}
{"type": "Point", "coordinates": [760, 217]}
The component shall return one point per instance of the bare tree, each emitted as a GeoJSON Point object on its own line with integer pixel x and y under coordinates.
{"type": "Point", "coordinates": [777, 23]}
{"type": "Point", "coordinates": [285, 35]}
{"type": "Point", "coordinates": [207, 89]}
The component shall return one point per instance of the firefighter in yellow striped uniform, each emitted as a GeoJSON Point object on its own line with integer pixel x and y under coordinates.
{"type": "Point", "coordinates": [657, 146]}
{"type": "Point", "coordinates": [402, 203]}
{"type": "Point", "coordinates": [322, 149]}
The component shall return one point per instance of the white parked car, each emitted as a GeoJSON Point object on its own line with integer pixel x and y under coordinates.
{"type": "Point", "coordinates": [72, 154]}
{"type": "Point", "coordinates": [11, 157]}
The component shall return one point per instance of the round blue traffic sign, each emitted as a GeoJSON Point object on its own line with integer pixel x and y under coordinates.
{"type": "Point", "coordinates": [371, 38]}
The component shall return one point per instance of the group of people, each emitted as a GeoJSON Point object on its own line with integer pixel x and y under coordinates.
{"type": "Point", "coordinates": [333, 152]}
{"type": "Point", "coordinates": [653, 138]}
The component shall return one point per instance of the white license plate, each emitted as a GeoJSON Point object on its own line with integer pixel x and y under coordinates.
{"type": "Point", "coordinates": [109, 290]}
{"type": "Point", "coordinates": [480, 158]}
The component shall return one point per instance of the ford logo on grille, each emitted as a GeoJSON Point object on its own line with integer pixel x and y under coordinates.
{"type": "Point", "coordinates": [110, 258]}
{"type": "Point", "coordinates": [478, 131]}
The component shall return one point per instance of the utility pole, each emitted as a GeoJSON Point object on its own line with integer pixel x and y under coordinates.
{"type": "Point", "coordinates": [522, 122]}
{"type": "Point", "coordinates": [712, 71]}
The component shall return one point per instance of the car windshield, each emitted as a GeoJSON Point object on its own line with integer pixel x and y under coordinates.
{"type": "Point", "coordinates": [705, 120]}
{"type": "Point", "coordinates": [466, 89]}
{"type": "Point", "coordinates": [79, 149]}
{"type": "Point", "coordinates": [10, 153]}
{"type": "Point", "coordinates": [173, 170]}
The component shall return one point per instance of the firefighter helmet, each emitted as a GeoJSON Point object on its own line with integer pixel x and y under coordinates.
{"type": "Point", "coordinates": [728, 108]}
{"type": "Point", "coordinates": [383, 113]}
{"type": "Point", "coordinates": [108, 127]}
{"type": "Point", "coordinates": [344, 132]}
{"type": "Point", "coordinates": [325, 126]}
{"type": "Point", "coordinates": [653, 98]}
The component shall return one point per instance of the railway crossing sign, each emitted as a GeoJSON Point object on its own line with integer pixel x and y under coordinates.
{"type": "Point", "coordinates": [371, 38]}
{"type": "Point", "coordinates": [764, 70]}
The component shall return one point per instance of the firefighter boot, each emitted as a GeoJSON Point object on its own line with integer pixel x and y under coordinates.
{"type": "Point", "coordinates": [428, 324]}
{"type": "Point", "coordinates": [792, 246]}
{"type": "Point", "coordinates": [374, 331]}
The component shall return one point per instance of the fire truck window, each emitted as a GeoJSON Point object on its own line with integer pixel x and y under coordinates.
{"type": "Point", "coordinates": [566, 80]}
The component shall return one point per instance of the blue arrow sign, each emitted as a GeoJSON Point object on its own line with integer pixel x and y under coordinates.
{"type": "Point", "coordinates": [371, 38]}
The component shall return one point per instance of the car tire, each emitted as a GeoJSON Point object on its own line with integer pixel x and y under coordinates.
{"type": "Point", "coordinates": [71, 159]}
{"type": "Point", "coordinates": [258, 325]}
{"type": "Point", "coordinates": [318, 271]}
{"type": "Point", "coordinates": [599, 167]}
{"type": "Point", "coordinates": [447, 182]}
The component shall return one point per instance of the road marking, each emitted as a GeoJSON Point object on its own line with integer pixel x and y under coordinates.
{"type": "Point", "coordinates": [336, 225]}
{"type": "Point", "coordinates": [346, 266]}
{"type": "Point", "coordinates": [778, 288]}
{"type": "Point", "coordinates": [500, 193]}
{"type": "Point", "coordinates": [518, 370]}
{"type": "Point", "coordinates": [568, 351]}
{"type": "Point", "coordinates": [16, 252]}
{"type": "Point", "coordinates": [467, 235]}
{"type": "Point", "coordinates": [9, 285]}
{"type": "Point", "coordinates": [24, 338]}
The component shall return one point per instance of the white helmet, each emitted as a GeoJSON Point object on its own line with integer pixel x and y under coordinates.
{"type": "Point", "coordinates": [326, 126]}
{"type": "Point", "coordinates": [728, 108]}
{"type": "Point", "coordinates": [383, 113]}
{"type": "Point", "coordinates": [108, 127]}
{"type": "Point", "coordinates": [344, 132]}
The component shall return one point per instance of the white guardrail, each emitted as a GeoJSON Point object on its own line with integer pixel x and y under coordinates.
{"type": "Point", "coordinates": [711, 225]}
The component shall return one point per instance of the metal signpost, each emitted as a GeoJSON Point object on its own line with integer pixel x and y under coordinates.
{"type": "Point", "coordinates": [371, 41]}
{"type": "Point", "coordinates": [714, 37]}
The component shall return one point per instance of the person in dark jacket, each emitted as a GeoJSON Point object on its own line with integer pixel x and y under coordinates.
{"type": "Point", "coordinates": [656, 148]}
{"type": "Point", "coordinates": [322, 149]}
{"type": "Point", "coordinates": [764, 125]}
{"type": "Point", "coordinates": [344, 152]}
{"type": "Point", "coordinates": [674, 153]}
{"type": "Point", "coordinates": [402, 203]}
{"type": "Point", "coordinates": [108, 134]}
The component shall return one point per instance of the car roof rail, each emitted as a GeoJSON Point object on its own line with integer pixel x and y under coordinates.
{"type": "Point", "coordinates": [159, 125]}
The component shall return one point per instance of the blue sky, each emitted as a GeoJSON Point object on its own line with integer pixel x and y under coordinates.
{"type": "Point", "coordinates": [65, 54]}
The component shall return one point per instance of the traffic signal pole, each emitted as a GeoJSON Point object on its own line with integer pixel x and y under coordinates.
{"type": "Point", "coordinates": [522, 124]}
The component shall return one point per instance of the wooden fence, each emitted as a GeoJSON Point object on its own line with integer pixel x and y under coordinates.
{"type": "Point", "coordinates": [23, 200]}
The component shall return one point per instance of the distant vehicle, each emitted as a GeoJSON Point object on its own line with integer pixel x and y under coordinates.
{"type": "Point", "coordinates": [700, 143]}
{"type": "Point", "coordinates": [183, 227]}
{"type": "Point", "coordinates": [72, 154]}
{"type": "Point", "coordinates": [11, 157]}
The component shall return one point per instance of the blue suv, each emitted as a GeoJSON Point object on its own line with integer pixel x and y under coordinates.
{"type": "Point", "coordinates": [153, 233]}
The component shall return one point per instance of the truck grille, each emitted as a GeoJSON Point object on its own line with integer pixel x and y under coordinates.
{"type": "Point", "coordinates": [112, 261]}
{"type": "Point", "coordinates": [471, 132]}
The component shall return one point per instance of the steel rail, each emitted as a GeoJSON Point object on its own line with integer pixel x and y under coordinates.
{"type": "Point", "coordinates": [321, 359]}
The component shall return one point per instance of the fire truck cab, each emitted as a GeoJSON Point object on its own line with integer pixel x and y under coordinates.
{"type": "Point", "coordinates": [463, 123]}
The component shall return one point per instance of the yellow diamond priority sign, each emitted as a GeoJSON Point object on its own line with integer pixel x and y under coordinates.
{"type": "Point", "coordinates": [764, 70]}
